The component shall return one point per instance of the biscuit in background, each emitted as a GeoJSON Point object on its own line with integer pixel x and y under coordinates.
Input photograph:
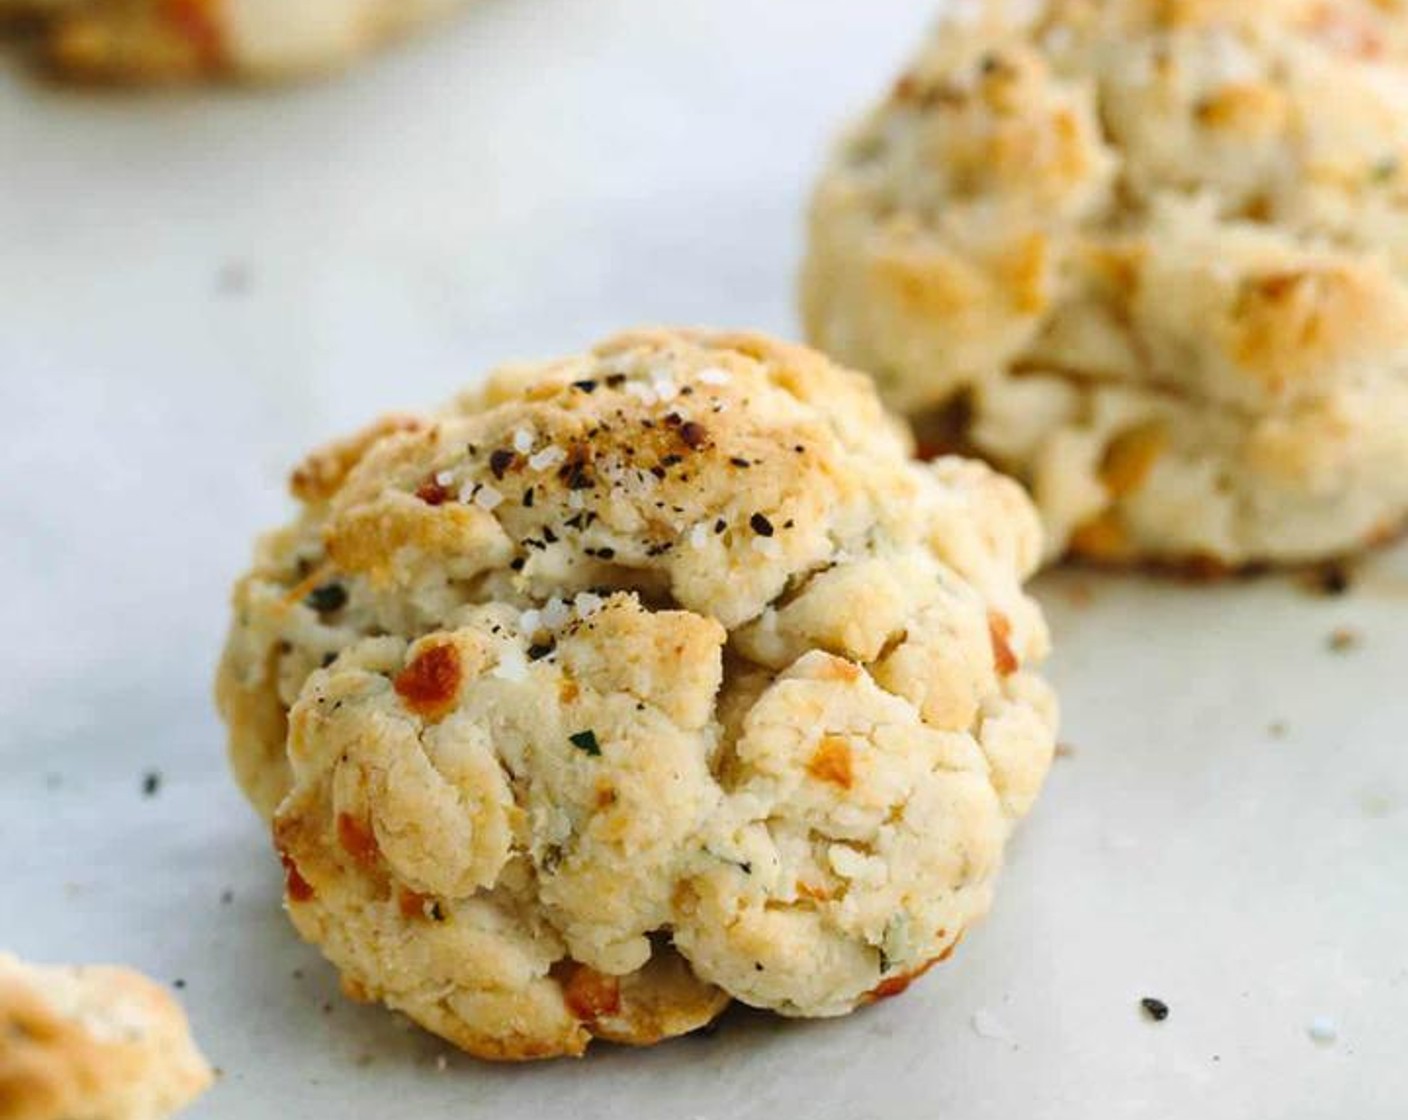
{"type": "Point", "coordinates": [1148, 255]}
{"type": "Point", "coordinates": [161, 41]}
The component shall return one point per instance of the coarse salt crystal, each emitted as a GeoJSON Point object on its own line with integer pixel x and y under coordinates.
{"type": "Point", "coordinates": [467, 491]}
{"type": "Point", "coordinates": [698, 535]}
{"type": "Point", "coordinates": [547, 458]}
{"type": "Point", "coordinates": [444, 478]}
{"type": "Point", "coordinates": [665, 389]}
{"type": "Point", "coordinates": [768, 546]}
{"type": "Point", "coordinates": [713, 375]}
{"type": "Point", "coordinates": [523, 441]}
{"type": "Point", "coordinates": [588, 604]}
{"type": "Point", "coordinates": [575, 500]}
{"type": "Point", "coordinates": [488, 498]}
{"type": "Point", "coordinates": [512, 666]}
{"type": "Point", "coordinates": [556, 614]}
{"type": "Point", "coordinates": [530, 621]}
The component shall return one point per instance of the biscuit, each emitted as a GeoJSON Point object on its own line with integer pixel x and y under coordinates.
{"type": "Point", "coordinates": [151, 41]}
{"type": "Point", "coordinates": [637, 682]}
{"type": "Point", "coordinates": [92, 1043]}
{"type": "Point", "coordinates": [1148, 255]}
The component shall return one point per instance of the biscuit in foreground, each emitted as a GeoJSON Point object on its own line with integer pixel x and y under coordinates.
{"type": "Point", "coordinates": [92, 1043]}
{"type": "Point", "coordinates": [1148, 255]}
{"type": "Point", "coordinates": [638, 682]}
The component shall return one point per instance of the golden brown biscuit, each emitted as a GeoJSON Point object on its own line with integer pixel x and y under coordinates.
{"type": "Point", "coordinates": [636, 682]}
{"type": "Point", "coordinates": [92, 1043]}
{"type": "Point", "coordinates": [1151, 256]}
{"type": "Point", "coordinates": [146, 41]}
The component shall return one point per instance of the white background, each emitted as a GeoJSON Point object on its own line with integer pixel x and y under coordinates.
{"type": "Point", "coordinates": [193, 289]}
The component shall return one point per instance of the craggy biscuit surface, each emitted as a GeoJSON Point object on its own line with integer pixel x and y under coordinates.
{"type": "Point", "coordinates": [636, 682]}
{"type": "Point", "coordinates": [92, 1043]}
{"type": "Point", "coordinates": [1151, 256]}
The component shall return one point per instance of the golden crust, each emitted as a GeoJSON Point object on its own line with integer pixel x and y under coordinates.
{"type": "Point", "coordinates": [1085, 217]}
{"type": "Point", "coordinates": [551, 661]}
{"type": "Point", "coordinates": [147, 42]}
{"type": "Point", "coordinates": [92, 1042]}
{"type": "Point", "coordinates": [323, 472]}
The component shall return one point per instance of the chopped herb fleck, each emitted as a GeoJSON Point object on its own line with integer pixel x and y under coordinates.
{"type": "Point", "coordinates": [1155, 1009]}
{"type": "Point", "coordinates": [739, 461]}
{"type": "Point", "coordinates": [151, 783]}
{"type": "Point", "coordinates": [528, 498]}
{"type": "Point", "coordinates": [576, 476]}
{"type": "Point", "coordinates": [538, 650]}
{"type": "Point", "coordinates": [720, 526]}
{"type": "Point", "coordinates": [616, 380]}
{"type": "Point", "coordinates": [586, 741]}
{"type": "Point", "coordinates": [500, 461]}
{"type": "Point", "coordinates": [586, 385]}
{"type": "Point", "coordinates": [328, 598]}
{"type": "Point", "coordinates": [328, 659]}
{"type": "Point", "coordinates": [761, 525]}
{"type": "Point", "coordinates": [517, 563]}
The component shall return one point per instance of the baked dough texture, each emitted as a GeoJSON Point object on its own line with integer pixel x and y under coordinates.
{"type": "Point", "coordinates": [157, 41]}
{"type": "Point", "coordinates": [92, 1043]}
{"type": "Point", "coordinates": [1149, 255]}
{"type": "Point", "coordinates": [635, 682]}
